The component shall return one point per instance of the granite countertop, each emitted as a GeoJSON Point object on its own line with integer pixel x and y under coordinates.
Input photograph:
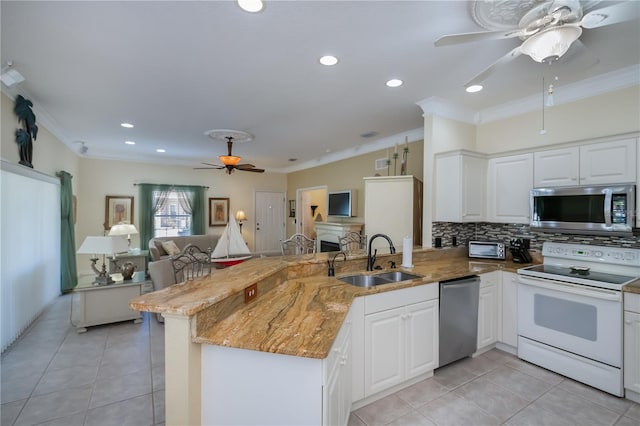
{"type": "Point", "coordinates": [634, 287]}
{"type": "Point", "coordinates": [303, 316]}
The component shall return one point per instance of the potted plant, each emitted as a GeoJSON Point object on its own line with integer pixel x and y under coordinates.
{"type": "Point", "coordinates": [29, 131]}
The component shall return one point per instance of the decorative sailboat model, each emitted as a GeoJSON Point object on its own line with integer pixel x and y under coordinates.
{"type": "Point", "coordinates": [231, 248]}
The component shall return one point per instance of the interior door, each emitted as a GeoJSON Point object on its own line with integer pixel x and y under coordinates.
{"type": "Point", "coordinates": [270, 221]}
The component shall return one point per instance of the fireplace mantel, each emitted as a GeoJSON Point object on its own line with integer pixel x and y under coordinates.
{"type": "Point", "coordinates": [331, 232]}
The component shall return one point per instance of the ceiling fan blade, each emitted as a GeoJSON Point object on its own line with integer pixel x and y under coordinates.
{"type": "Point", "coordinates": [513, 54]}
{"type": "Point", "coordinates": [610, 15]}
{"type": "Point", "coordinates": [450, 39]}
{"type": "Point", "coordinates": [244, 166]}
{"type": "Point", "coordinates": [209, 164]}
{"type": "Point", "coordinates": [207, 168]}
{"type": "Point", "coordinates": [252, 170]}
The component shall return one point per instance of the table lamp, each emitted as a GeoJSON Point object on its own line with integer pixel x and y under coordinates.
{"type": "Point", "coordinates": [240, 217]}
{"type": "Point", "coordinates": [102, 245]}
{"type": "Point", "coordinates": [123, 229]}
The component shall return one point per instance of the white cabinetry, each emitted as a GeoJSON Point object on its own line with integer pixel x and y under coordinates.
{"type": "Point", "coordinates": [632, 346]}
{"type": "Point", "coordinates": [393, 206]}
{"type": "Point", "coordinates": [488, 310]}
{"type": "Point", "coordinates": [591, 164]}
{"type": "Point", "coordinates": [509, 182]}
{"type": "Point", "coordinates": [509, 312]}
{"type": "Point", "coordinates": [556, 167]}
{"type": "Point", "coordinates": [401, 336]}
{"type": "Point", "coordinates": [337, 370]}
{"type": "Point", "coordinates": [460, 184]}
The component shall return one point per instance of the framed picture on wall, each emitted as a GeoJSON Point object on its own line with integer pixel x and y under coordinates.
{"type": "Point", "coordinates": [118, 208]}
{"type": "Point", "coordinates": [218, 211]}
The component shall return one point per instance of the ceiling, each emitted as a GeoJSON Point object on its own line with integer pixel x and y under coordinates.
{"type": "Point", "coordinates": [178, 68]}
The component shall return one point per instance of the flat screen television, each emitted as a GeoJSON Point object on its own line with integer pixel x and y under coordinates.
{"type": "Point", "coordinates": [342, 203]}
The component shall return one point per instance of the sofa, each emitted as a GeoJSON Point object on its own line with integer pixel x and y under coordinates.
{"type": "Point", "coordinates": [160, 268]}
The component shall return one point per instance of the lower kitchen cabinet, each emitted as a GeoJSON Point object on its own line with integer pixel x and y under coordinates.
{"type": "Point", "coordinates": [488, 309]}
{"type": "Point", "coordinates": [509, 310]}
{"type": "Point", "coordinates": [252, 387]}
{"type": "Point", "coordinates": [632, 346]}
{"type": "Point", "coordinates": [400, 336]}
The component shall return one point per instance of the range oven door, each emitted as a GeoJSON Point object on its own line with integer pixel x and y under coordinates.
{"type": "Point", "coordinates": [579, 319]}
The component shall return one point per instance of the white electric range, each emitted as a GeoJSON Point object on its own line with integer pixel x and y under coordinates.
{"type": "Point", "coordinates": [570, 312]}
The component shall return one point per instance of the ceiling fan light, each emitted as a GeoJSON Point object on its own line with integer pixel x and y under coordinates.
{"type": "Point", "coordinates": [551, 44]}
{"type": "Point", "coordinates": [229, 160]}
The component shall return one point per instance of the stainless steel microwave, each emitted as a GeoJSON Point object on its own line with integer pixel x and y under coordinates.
{"type": "Point", "coordinates": [601, 209]}
{"type": "Point", "coordinates": [487, 249]}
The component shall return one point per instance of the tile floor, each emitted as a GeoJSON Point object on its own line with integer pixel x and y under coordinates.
{"type": "Point", "coordinates": [114, 375]}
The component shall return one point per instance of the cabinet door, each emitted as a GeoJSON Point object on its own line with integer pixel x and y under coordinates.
{"type": "Point", "coordinates": [632, 351]}
{"type": "Point", "coordinates": [487, 315]}
{"type": "Point", "coordinates": [448, 187]}
{"type": "Point", "coordinates": [384, 350]}
{"type": "Point", "coordinates": [510, 180]}
{"type": "Point", "coordinates": [509, 309]}
{"type": "Point", "coordinates": [557, 167]}
{"type": "Point", "coordinates": [332, 402]}
{"type": "Point", "coordinates": [473, 188]}
{"type": "Point", "coordinates": [345, 369]}
{"type": "Point", "coordinates": [421, 322]}
{"type": "Point", "coordinates": [608, 162]}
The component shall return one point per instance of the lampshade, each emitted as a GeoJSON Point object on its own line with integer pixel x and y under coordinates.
{"type": "Point", "coordinates": [550, 44]}
{"type": "Point", "coordinates": [229, 160]}
{"type": "Point", "coordinates": [103, 245]}
{"type": "Point", "coordinates": [123, 229]}
{"type": "Point", "coordinates": [240, 215]}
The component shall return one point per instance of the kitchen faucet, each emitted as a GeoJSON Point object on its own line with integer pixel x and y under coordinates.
{"type": "Point", "coordinates": [371, 259]}
{"type": "Point", "coordinates": [332, 272]}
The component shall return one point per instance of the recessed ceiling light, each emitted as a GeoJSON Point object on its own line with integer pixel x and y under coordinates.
{"type": "Point", "coordinates": [474, 88]}
{"type": "Point", "coordinates": [394, 82]}
{"type": "Point", "coordinates": [130, 142]}
{"type": "Point", "coordinates": [293, 159]}
{"type": "Point", "coordinates": [328, 60]}
{"type": "Point", "coordinates": [251, 5]}
{"type": "Point", "coordinates": [160, 150]}
{"type": "Point", "coordinates": [127, 125]}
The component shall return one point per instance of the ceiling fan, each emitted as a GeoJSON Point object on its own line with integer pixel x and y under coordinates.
{"type": "Point", "coordinates": [230, 161]}
{"type": "Point", "coordinates": [547, 31]}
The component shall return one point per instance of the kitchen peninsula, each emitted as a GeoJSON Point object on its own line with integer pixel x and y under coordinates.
{"type": "Point", "coordinates": [298, 320]}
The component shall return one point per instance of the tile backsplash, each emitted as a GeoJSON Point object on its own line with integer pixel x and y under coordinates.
{"type": "Point", "coordinates": [485, 231]}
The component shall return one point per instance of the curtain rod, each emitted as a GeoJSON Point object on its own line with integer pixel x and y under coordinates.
{"type": "Point", "coordinates": [166, 184]}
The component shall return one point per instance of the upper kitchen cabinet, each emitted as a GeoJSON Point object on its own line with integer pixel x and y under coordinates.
{"type": "Point", "coordinates": [393, 206]}
{"type": "Point", "coordinates": [460, 187]}
{"type": "Point", "coordinates": [592, 164]}
{"type": "Point", "coordinates": [509, 181]}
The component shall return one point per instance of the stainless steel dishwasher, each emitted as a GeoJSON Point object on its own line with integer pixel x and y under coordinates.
{"type": "Point", "coordinates": [458, 318]}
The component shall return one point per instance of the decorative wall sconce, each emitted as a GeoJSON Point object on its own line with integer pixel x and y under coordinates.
{"type": "Point", "coordinates": [292, 208]}
{"type": "Point", "coordinates": [313, 210]}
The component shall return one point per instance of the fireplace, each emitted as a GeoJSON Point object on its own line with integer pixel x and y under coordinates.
{"type": "Point", "coordinates": [329, 246]}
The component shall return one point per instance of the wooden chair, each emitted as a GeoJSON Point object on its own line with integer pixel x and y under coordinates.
{"type": "Point", "coordinates": [298, 244]}
{"type": "Point", "coordinates": [191, 263]}
{"type": "Point", "coordinates": [352, 241]}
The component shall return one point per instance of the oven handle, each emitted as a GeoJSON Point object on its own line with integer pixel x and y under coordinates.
{"type": "Point", "coordinates": [598, 293]}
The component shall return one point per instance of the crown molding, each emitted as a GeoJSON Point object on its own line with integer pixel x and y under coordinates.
{"type": "Point", "coordinates": [388, 142]}
{"type": "Point", "coordinates": [590, 87]}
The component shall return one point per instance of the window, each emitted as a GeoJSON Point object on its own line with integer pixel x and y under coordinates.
{"type": "Point", "coordinates": [171, 219]}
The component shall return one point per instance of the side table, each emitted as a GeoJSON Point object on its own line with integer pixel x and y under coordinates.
{"type": "Point", "coordinates": [137, 257]}
{"type": "Point", "coordinates": [105, 304]}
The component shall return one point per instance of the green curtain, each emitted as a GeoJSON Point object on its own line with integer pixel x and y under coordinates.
{"type": "Point", "coordinates": [68, 268]}
{"type": "Point", "coordinates": [193, 195]}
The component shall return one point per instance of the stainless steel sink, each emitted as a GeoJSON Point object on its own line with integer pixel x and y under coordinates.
{"type": "Point", "coordinates": [397, 276]}
{"type": "Point", "coordinates": [364, 280]}
{"type": "Point", "coordinates": [373, 280]}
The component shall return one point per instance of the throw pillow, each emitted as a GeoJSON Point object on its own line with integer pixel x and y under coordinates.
{"type": "Point", "coordinates": [161, 251]}
{"type": "Point", "coordinates": [170, 247]}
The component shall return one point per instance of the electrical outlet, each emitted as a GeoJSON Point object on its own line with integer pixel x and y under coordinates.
{"type": "Point", "coordinates": [250, 292]}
